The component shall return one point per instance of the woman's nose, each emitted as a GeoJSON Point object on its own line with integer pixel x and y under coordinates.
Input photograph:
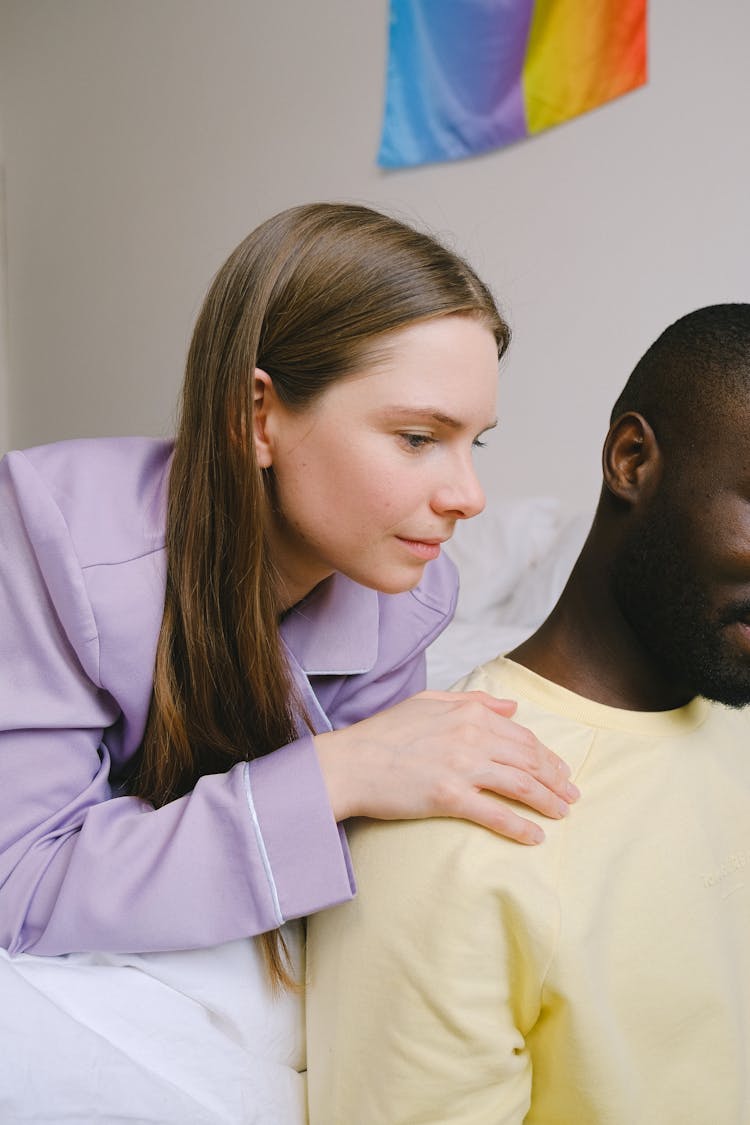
{"type": "Point", "coordinates": [462, 497]}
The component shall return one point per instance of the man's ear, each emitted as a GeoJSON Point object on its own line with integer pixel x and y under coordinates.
{"type": "Point", "coordinates": [264, 401]}
{"type": "Point", "coordinates": [631, 459]}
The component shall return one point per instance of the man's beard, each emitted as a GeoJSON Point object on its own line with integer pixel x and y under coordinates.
{"type": "Point", "coordinates": [670, 613]}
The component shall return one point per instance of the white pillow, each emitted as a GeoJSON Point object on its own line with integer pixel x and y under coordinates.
{"type": "Point", "coordinates": [494, 550]}
{"type": "Point", "coordinates": [512, 571]}
{"type": "Point", "coordinates": [541, 585]}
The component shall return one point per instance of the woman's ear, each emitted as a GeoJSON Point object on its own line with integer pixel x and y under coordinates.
{"type": "Point", "coordinates": [264, 401]}
{"type": "Point", "coordinates": [631, 459]}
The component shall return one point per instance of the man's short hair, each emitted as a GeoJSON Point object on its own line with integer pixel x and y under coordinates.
{"type": "Point", "coordinates": [699, 366]}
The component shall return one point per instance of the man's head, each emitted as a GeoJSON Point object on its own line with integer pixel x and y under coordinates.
{"type": "Point", "coordinates": [677, 491]}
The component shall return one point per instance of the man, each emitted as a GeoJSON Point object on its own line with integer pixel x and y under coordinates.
{"type": "Point", "coordinates": [605, 975]}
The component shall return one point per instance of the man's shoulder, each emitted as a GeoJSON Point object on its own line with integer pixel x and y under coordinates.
{"type": "Point", "coordinates": [460, 860]}
{"type": "Point", "coordinates": [490, 677]}
{"type": "Point", "coordinates": [727, 726]}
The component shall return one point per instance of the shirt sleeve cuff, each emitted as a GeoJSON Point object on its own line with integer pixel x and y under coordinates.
{"type": "Point", "coordinates": [304, 850]}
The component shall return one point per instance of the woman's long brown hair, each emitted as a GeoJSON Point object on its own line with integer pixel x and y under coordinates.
{"type": "Point", "coordinates": [307, 297]}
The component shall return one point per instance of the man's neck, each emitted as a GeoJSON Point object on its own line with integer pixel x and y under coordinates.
{"type": "Point", "coordinates": [586, 646]}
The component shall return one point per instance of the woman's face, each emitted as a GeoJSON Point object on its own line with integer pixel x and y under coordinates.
{"type": "Point", "coordinates": [371, 478]}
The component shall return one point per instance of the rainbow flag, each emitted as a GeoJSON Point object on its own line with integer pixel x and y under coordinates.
{"type": "Point", "coordinates": [465, 76]}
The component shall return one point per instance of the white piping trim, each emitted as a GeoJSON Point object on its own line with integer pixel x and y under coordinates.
{"type": "Point", "coordinates": [262, 848]}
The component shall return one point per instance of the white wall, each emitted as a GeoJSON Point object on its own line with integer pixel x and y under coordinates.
{"type": "Point", "coordinates": [4, 419]}
{"type": "Point", "coordinates": [144, 138]}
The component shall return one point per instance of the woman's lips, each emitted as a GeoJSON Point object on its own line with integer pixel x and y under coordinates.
{"type": "Point", "coordinates": [425, 549]}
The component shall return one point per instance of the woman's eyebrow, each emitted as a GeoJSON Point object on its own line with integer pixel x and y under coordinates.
{"type": "Point", "coordinates": [426, 414]}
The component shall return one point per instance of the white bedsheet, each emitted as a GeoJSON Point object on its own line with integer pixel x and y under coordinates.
{"type": "Point", "coordinates": [186, 1038]}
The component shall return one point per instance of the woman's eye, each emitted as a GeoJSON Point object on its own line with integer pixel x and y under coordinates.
{"type": "Point", "coordinates": [478, 443]}
{"type": "Point", "coordinates": [417, 441]}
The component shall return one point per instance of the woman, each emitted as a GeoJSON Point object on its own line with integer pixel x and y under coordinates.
{"type": "Point", "coordinates": [212, 652]}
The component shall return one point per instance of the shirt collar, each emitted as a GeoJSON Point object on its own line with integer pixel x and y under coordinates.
{"type": "Point", "coordinates": [334, 630]}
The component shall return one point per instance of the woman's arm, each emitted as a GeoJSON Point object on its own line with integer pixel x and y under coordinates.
{"type": "Point", "coordinates": [80, 867]}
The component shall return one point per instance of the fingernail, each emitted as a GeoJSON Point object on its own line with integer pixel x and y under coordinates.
{"type": "Point", "coordinates": [563, 808]}
{"type": "Point", "coordinates": [572, 791]}
{"type": "Point", "coordinates": [536, 835]}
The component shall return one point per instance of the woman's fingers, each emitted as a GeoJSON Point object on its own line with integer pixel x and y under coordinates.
{"type": "Point", "coordinates": [445, 754]}
{"type": "Point", "coordinates": [523, 750]}
{"type": "Point", "coordinates": [506, 707]}
{"type": "Point", "coordinates": [501, 818]}
{"type": "Point", "coordinates": [516, 785]}
{"type": "Point", "coordinates": [516, 745]}
{"type": "Point", "coordinates": [462, 780]}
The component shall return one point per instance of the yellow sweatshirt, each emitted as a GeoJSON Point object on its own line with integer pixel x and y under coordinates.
{"type": "Point", "coordinates": [600, 978]}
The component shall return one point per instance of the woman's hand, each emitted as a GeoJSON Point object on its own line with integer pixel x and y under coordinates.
{"type": "Point", "coordinates": [445, 754]}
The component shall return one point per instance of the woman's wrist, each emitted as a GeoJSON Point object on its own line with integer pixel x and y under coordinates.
{"type": "Point", "coordinates": [339, 773]}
